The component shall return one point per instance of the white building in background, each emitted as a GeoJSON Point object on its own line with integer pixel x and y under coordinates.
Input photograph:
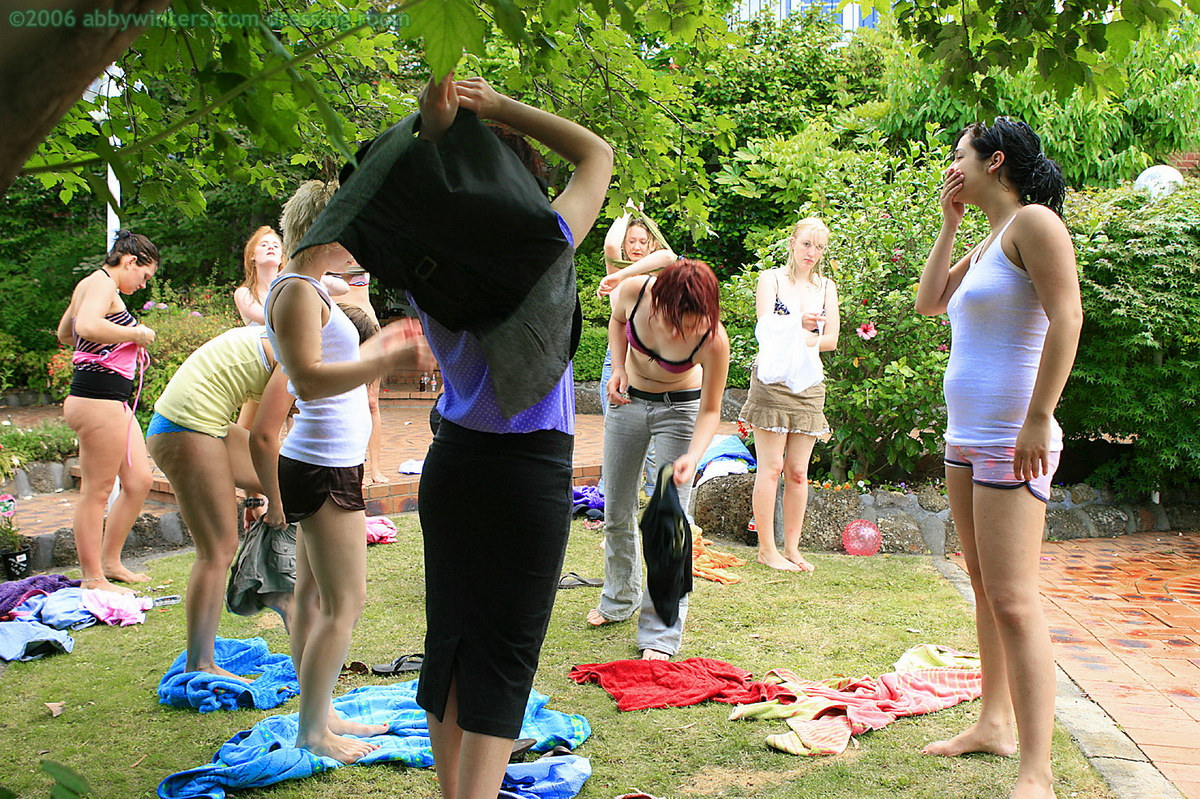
{"type": "Point", "coordinates": [851, 16]}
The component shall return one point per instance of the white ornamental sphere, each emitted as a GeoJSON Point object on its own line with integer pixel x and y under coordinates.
{"type": "Point", "coordinates": [1159, 180]}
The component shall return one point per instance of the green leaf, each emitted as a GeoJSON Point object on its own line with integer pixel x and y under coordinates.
{"type": "Point", "coordinates": [447, 27]}
{"type": "Point", "coordinates": [66, 778]}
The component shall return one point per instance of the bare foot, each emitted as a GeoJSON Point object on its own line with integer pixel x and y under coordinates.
{"type": "Point", "coordinates": [777, 561]}
{"type": "Point", "coordinates": [220, 672]}
{"type": "Point", "coordinates": [101, 584]}
{"type": "Point", "coordinates": [597, 619]}
{"type": "Point", "coordinates": [1032, 789]}
{"type": "Point", "coordinates": [339, 747]}
{"type": "Point", "coordinates": [123, 575]}
{"type": "Point", "coordinates": [975, 738]}
{"type": "Point", "coordinates": [801, 564]}
{"type": "Point", "coordinates": [377, 478]}
{"type": "Point", "coordinates": [654, 654]}
{"type": "Point", "coordinates": [341, 726]}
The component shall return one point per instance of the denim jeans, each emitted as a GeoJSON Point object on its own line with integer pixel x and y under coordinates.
{"type": "Point", "coordinates": [605, 374]}
{"type": "Point", "coordinates": [628, 431]}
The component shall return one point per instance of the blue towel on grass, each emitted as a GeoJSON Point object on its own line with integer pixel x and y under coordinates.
{"type": "Point", "coordinates": [725, 446]}
{"type": "Point", "coordinates": [266, 753]}
{"type": "Point", "coordinates": [558, 777]}
{"type": "Point", "coordinates": [276, 682]}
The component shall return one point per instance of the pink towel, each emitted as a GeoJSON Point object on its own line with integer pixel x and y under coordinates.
{"type": "Point", "coordinates": [640, 684]}
{"type": "Point", "coordinates": [112, 607]}
{"type": "Point", "coordinates": [380, 530]}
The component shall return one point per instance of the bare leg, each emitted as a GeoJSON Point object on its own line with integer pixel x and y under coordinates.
{"type": "Point", "coordinates": [331, 553]}
{"type": "Point", "coordinates": [795, 496]}
{"type": "Point", "coordinates": [242, 428]}
{"type": "Point", "coordinates": [201, 475]}
{"type": "Point", "coordinates": [993, 732]}
{"type": "Point", "coordinates": [375, 442]}
{"type": "Point", "coordinates": [469, 765]}
{"type": "Point", "coordinates": [102, 428]}
{"type": "Point", "coordinates": [136, 479]}
{"type": "Point", "coordinates": [769, 449]}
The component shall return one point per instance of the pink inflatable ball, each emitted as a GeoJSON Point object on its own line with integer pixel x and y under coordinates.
{"type": "Point", "coordinates": [861, 537]}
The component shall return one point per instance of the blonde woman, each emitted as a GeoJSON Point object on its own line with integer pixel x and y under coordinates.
{"type": "Point", "coordinates": [262, 259]}
{"type": "Point", "coordinates": [797, 311]}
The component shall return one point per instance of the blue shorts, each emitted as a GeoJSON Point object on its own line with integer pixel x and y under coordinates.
{"type": "Point", "coordinates": [161, 424]}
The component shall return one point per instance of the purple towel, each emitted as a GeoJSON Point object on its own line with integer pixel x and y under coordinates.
{"type": "Point", "coordinates": [588, 495]}
{"type": "Point", "coordinates": [15, 592]}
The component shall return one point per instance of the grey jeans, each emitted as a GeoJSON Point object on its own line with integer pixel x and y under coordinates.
{"type": "Point", "coordinates": [628, 431]}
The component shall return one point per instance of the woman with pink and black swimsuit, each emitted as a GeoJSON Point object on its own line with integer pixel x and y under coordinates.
{"type": "Point", "coordinates": [109, 354]}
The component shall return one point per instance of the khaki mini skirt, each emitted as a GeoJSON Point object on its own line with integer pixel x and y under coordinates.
{"type": "Point", "coordinates": [771, 406]}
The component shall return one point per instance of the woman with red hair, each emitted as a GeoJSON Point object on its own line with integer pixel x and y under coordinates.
{"type": "Point", "coordinates": [661, 329]}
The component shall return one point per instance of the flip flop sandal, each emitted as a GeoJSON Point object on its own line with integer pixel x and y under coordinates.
{"type": "Point", "coordinates": [401, 665]}
{"type": "Point", "coordinates": [355, 667]}
{"type": "Point", "coordinates": [519, 748]}
{"type": "Point", "coordinates": [573, 580]}
{"type": "Point", "coordinates": [593, 524]}
{"type": "Point", "coordinates": [558, 750]}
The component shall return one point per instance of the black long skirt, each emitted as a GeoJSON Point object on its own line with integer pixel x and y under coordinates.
{"type": "Point", "coordinates": [495, 515]}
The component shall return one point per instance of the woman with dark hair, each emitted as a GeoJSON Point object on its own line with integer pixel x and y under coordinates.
{"type": "Point", "coordinates": [109, 354]}
{"type": "Point", "coordinates": [661, 329]}
{"type": "Point", "coordinates": [1014, 307]}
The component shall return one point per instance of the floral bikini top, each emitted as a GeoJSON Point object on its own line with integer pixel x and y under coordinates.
{"type": "Point", "coordinates": [675, 367]}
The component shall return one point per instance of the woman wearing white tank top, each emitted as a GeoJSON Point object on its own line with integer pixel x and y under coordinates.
{"type": "Point", "coordinates": [1015, 315]}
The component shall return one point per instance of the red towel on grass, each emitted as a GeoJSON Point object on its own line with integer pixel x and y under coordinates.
{"type": "Point", "coordinates": [641, 684]}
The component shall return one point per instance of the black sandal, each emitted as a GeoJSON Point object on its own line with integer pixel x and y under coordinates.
{"type": "Point", "coordinates": [401, 665]}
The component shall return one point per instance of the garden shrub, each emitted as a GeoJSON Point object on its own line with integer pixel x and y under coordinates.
{"type": "Point", "coordinates": [589, 359]}
{"type": "Point", "coordinates": [884, 399]}
{"type": "Point", "coordinates": [1137, 374]}
{"type": "Point", "coordinates": [51, 440]}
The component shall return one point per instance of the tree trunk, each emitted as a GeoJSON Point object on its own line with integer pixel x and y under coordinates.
{"type": "Point", "coordinates": [45, 67]}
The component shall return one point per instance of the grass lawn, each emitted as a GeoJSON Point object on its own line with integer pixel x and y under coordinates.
{"type": "Point", "coordinates": [852, 616]}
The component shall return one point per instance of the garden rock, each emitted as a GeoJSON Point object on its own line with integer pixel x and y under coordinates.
{"type": "Point", "coordinates": [724, 506]}
{"type": "Point", "coordinates": [953, 543]}
{"type": "Point", "coordinates": [731, 404]}
{"type": "Point", "coordinates": [64, 548]}
{"type": "Point", "coordinates": [1107, 520]}
{"type": "Point", "coordinates": [1057, 494]}
{"type": "Point", "coordinates": [44, 478]}
{"type": "Point", "coordinates": [1064, 525]}
{"type": "Point", "coordinates": [1082, 492]}
{"type": "Point", "coordinates": [587, 398]}
{"type": "Point", "coordinates": [1184, 517]}
{"type": "Point", "coordinates": [828, 513]}
{"type": "Point", "coordinates": [901, 533]}
{"type": "Point", "coordinates": [932, 499]}
{"type": "Point", "coordinates": [893, 499]}
{"type": "Point", "coordinates": [173, 530]}
{"type": "Point", "coordinates": [933, 530]}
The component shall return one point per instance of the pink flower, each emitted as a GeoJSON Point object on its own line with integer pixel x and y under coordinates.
{"type": "Point", "coordinates": [942, 348]}
{"type": "Point", "coordinates": [8, 505]}
{"type": "Point", "coordinates": [197, 313]}
{"type": "Point", "coordinates": [148, 305]}
{"type": "Point", "coordinates": [866, 331]}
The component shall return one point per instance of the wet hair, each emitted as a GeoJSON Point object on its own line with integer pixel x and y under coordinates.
{"type": "Point", "coordinates": [686, 287]}
{"type": "Point", "coordinates": [652, 242]}
{"type": "Point", "coordinates": [807, 223]}
{"type": "Point", "coordinates": [130, 243]}
{"type": "Point", "coordinates": [251, 281]}
{"type": "Point", "coordinates": [1037, 178]}
{"type": "Point", "coordinates": [303, 209]}
{"type": "Point", "coordinates": [362, 323]}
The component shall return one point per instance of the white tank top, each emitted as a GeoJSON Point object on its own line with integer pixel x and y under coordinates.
{"type": "Point", "coordinates": [332, 431]}
{"type": "Point", "coordinates": [998, 328]}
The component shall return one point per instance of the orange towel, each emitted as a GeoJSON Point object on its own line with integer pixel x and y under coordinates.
{"type": "Point", "coordinates": [711, 564]}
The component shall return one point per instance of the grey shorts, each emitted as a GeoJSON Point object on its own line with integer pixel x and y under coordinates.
{"type": "Point", "coordinates": [266, 564]}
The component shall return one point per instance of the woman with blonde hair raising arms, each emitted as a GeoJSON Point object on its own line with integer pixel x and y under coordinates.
{"type": "Point", "coordinates": [797, 312]}
{"type": "Point", "coordinates": [1015, 312]}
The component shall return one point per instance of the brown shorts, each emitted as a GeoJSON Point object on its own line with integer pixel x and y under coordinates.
{"type": "Point", "coordinates": [304, 487]}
